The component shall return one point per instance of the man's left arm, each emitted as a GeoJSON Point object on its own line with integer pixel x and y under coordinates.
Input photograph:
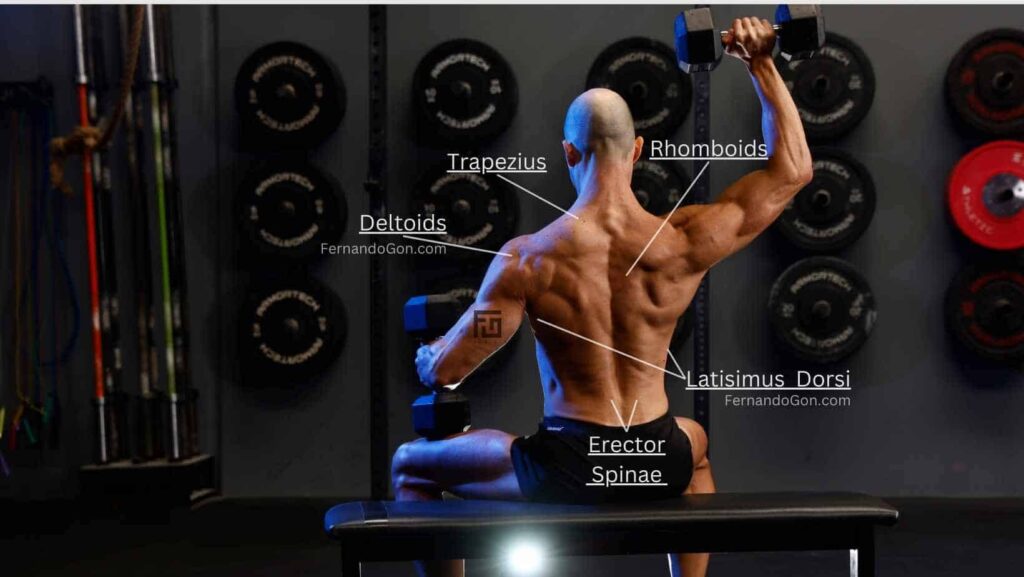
{"type": "Point", "coordinates": [484, 328]}
{"type": "Point", "coordinates": [750, 205]}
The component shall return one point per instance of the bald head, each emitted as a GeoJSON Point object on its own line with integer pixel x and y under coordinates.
{"type": "Point", "coordinates": [599, 122]}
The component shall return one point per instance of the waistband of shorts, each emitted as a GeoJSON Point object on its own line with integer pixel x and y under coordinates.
{"type": "Point", "coordinates": [566, 424]}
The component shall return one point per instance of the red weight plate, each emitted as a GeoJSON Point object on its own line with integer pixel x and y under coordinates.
{"type": "Point", "coordinates": [986, 195]}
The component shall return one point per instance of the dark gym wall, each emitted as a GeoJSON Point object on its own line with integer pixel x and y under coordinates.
{"type": "Point", "coordinates": [925, 419]}
{"type": "Point", "coordinates": [311, 440]}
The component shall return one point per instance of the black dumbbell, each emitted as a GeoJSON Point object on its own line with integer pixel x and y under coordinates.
{"type": "Point", "coordinates": [801, 29]}
{"type": "Point", "coordinates": [442, 413]}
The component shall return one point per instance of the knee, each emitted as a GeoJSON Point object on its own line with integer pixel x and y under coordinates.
{"type": "Point", "coordinates": [402, 465]}
{"type": "Point", "coordinates": [698, 440]}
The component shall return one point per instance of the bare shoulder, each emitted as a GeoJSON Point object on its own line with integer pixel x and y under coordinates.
{"type": "Point", "coordinates": [518, 247]}
{"type": "Point", "coordinates": [510, 265]}
{"type": "Point", "coordinates": [523, 264]}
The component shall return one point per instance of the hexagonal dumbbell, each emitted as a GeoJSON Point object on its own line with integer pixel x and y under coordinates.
{"type": "Point", "coordinates": [801, 30]}
{"type": "Point", "coordinates": [441, 413]}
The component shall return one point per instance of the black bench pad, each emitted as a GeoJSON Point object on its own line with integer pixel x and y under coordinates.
{"type": "Point", "coordinates": [389, 531]}
{"type": "Point", "coordinates": [691, 511]}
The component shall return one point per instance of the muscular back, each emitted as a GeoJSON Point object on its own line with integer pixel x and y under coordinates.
{"type": "Point", "coordinates": [579, 284]}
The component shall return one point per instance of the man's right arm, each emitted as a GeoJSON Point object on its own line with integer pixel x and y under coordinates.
{"type": "Point", "coordinates": [751, 204]}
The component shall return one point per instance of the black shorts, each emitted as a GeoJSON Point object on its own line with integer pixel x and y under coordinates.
{"type": "Point", "coordinates": [570, 461]}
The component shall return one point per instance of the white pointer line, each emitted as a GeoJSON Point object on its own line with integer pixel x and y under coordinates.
{"type": "Point", "coordinates": [456, 245]}
{"type": "Point", "coordinates": [708, 158]}
{"type": "Point", "coordinates": [626, 454]}
{"type": "Point", "coordinates": [627, 484]}
{"type": "Point", "coordinates": [674, 361]}
{"type": "Point", "coordinates": [401, 232]}
{"type": "Point", "coordinates": [769, 389]}
{"type": "Point", "coordinates": [604, 346]}
{"type": "Point", "coordinates": [669, 215]}
{"type": "Point", "coordinates": [541, 198]}
{"type": "Point", "coordinates": [625, 426]}
{"type": "Point", "coordinates": [482, 171]}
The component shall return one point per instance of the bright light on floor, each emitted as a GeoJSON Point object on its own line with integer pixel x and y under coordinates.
{"type": "Point", "coordinates": [525, 558]}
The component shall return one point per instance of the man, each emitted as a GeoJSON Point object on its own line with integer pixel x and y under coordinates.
{"type": "Point", "coordinates": [603, 318]}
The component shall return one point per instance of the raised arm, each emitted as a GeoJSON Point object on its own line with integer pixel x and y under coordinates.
{"type": "Point", "coordinates": [484, 328]}
{"type": "Point", "coordinates": [751, 204]}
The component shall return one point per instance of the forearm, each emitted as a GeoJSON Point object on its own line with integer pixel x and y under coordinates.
{"type": "Point", "coordinates": [457, 354]}
{"type": "Point", "coordinates": [789, 158]}
{"type": "Point", "coordinates": [469, 343]}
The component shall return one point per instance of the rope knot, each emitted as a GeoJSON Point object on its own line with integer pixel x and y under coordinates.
{"type": "Point", "coordinates": [81, 139]}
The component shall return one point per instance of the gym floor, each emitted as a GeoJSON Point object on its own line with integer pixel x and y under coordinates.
{"type": "Point", "coordinates": [256, 537]}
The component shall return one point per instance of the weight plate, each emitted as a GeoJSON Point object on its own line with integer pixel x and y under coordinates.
{"type": "Point", "coordinates": [822, 309]}
{"type": "Point", "coordinates": [985, 83]}
{"type": "Point", "coordinates": [986, 195]}
{"type": "Point", "coordinates": [479, 211]}
{"type": "Point", "coordinates": [658, 185]}
{"type": "Point", "coordinates": [292, 330]}
{"type": "Point", "coordinates": [833, 90]}
{"type": "Point", "coordinates": [985, 310]}
{"type": "Point", "coordinates": [644, 72]}
{"type": "Point", "coordinates": [286, 210]}
{"type": "Point", "coordinates": [287, 96]}
{"type": "Point", "coordinates": [465, 94]}
{"type": "Point", "coordinates": [835, 209]}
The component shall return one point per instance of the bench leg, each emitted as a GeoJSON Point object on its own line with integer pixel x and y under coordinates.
{"type": "Point", "coordinates": [862, 559]}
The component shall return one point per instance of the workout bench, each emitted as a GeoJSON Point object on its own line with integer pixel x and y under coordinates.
{"type": "Point", "coordinates": [406, 531]}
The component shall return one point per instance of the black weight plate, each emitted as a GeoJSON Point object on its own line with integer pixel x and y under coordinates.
{"type": "Point", "coordinates": [985, 310]}
{"type": "Point", "coordinates": [821, 309]}
{"type": "Point", "coordinates": [287, 209]}
{"type": "Point", "coordinates": [288, 97]}
{"type": "Point", "coordinates": [658, 186]}
{"type": "Point", "coordinates": [465, 94]}
{"type": "Point", "coordinates": [479, 210]}
{"type": "Point", "coordinates": [985, 83]}
{"type": "Point", "coordinates": [644, 72]}
{"type": "Point", "coordinates": [833, 90]}
{"type": "Point", "coordinates": [292, 329]}
{"type": "Point", "coordinates": [835, 209]}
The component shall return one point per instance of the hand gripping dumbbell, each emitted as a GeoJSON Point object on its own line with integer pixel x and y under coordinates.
{"type": "Point", "coordinates": [801, 30]}
{"type": "Point", "coordinates": [444, 412]}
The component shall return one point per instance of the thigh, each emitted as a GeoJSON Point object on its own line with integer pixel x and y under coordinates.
{"type": "Point", "coordinates": [473, 465]}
